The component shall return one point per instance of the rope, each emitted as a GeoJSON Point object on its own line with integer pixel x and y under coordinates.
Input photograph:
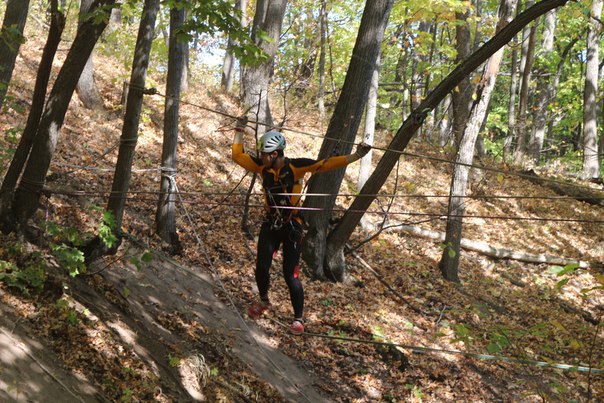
{"type": "Point", "coordinates": [405, 153]}
{"type": "Point", "coordinates": [437, 215]}
{"type": "Point", "coordinates": [374, 195]}
{"type": "Point", "coordinates": [486, 357]}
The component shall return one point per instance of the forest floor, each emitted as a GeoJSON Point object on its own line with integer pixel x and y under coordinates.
{"type": "Point", "coordinates": [145, 326]}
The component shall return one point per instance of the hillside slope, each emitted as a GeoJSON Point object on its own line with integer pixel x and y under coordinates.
{"type": "Point", "coordinates": [142, 326]}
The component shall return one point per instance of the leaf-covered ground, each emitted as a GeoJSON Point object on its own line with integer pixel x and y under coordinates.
{"type": "Point", "coordinates": [140, 327]}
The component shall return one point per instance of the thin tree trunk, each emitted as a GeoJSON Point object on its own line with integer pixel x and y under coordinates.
{"type": "Point", "coordinates": [526, 66]}
{"type": "Point", "coordinates": [445, 126]}
{"type": "Point", "coordinates": [32, 182]}
{"type": "Point", "coordinates": [14, 20]}
{"type": "Point", "coordinates": [129, 136]}
{"type": "Point", "coordinates": [509, 139]}
{"type": "Point", "coordinates": [321, 67]}
{"type": "Point", "coordinates": [7, 191]}
{"type": "Point", "coordinates": [449, 262]}
{"type": "Point", "coordinates": [544, 89]}
{"type": "Point", "coordinates": [591, 162]}
{"type": "Point", "coordinates": [166, 215]}
{"type": "Point", "coordinates": [228, 66]}
{"type": "Point", "coordinates": [344, 126]}
{"type": "Point", "coordinates": [341, 233]}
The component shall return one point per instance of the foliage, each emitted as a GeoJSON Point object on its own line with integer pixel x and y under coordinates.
{"type": "Point", "coordinates": [29, 278]}
{"type": "Point", "coordinates": [64, 246]}
{"type": "Point", "coordinates": [108, 229]}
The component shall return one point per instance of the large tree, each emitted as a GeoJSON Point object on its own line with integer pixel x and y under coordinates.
{"type": "Point", "coordinates": [11, 37]}
{"type": "Point", "coordinates": [32, 182]}
{"type": "Point", "coordinates": [342, 130]}
{"type": "Point", "coordinates": [341, 233]}
{"type": "Point", "coordinates": [165, 218]}
{"type": "Point", "coordinates": [591, 162]}
{"type": "Point", "coordinates": [7, 191]}
{"type": "Point", "coordinates": [449, 263]}
{"type": "Point", "coordinates": [129, 136]}
{"type": "Point", "coordinates": [545, 88]}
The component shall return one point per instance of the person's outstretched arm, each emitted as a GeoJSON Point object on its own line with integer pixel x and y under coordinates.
{"type": "Point", "coordinates": [239, 156]}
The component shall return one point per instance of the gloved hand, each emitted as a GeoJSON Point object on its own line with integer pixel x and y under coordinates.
{"type": "Point", "coordinates": [241, 123]}
{"type": "Point", "coordinates": [362, 149]}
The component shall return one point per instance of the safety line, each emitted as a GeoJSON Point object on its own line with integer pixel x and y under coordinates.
{"type": "Point", "coordinates": [405, 153]}
{"type": "Point", "coordinates": [486, 357]}
{"type": "Point", "coordinates": [373, 212]}
{"type": "Point", "coordinates": [378, 195]}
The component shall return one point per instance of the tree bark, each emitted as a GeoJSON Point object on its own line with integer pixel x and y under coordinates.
{"type": "Point", "coordinates": [369, 132]}
{"type": "Point", "coordinates": [343, 126]}
{"type": "Point", "coordinates": [341, 233]}
{"type": "Point", "coordinates": [449, 262]}
{"type": "Point", "coordinates": [321, 67]}
{"type": "Point", "coordinates": [591, 161]}
{"type": "Point", "coordinates": [86, 89]}
{"type": "Point", "coordinates": [166, 216]}
{"type": "Point", "coordinates": [13, 24]}
{"type": "Point", "coordinates": [32, 182]}
{"type": "Point", "coordinates": [7, 191]}
{"type": "Point", "coordinates": [509, 139]}
{"type": "Point", "coordinates": [526, 66]}
{"type": "Point", "coordinates": [129, 136]}
{"type": "Point", "coordinates": [545, 89]}
{"type": "Point", "coordinates": [255, 79]}
{"type": "Point", "coordinates": [461, 98]}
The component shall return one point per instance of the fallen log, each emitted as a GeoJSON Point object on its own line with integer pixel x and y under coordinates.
{"type": "Point", "coordinates": [486, 249]}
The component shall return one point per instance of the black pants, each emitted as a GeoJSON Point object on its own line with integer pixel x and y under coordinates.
{"type": "Point", "coordinates": [269, 240]}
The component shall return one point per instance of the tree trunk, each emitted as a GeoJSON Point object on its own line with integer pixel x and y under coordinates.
{"type": "Point", "coordinates": [445, 127]}
{"type": "Point", "coordinates": [526, 66]}
{"type": "Point", "coordinates": [462, 97]}
{"type": "Point", "coordinates": [449, 262]}
{"type": "Point", "coordinates": [129, 136]}
{"type": "Point", "coordinates": [86, 88]}
{"type": "Point", "coordinates": [7, 191]}
{"type": "Point", "coordinates": [321, 67]}
{"type": "Point", "coordinates": [343, 126]}
{"type": "Point", "coordinates": [591, 162]}
{"type": "Point", "coordinates": [255, 79]}
{"type": "Point", "coordinates": [228, 66]}
{"type": "Point", "coordinates": [369, 132]}
{"type": "Point", "coordinates": [509, 139]}
{"type": "Point", "coordinates": [13, 23]}
{"type": "Point", "coordinates": [545, 89]}
{"type": "Point", "coordinates": [341, 233]}
{"type": "Point", "coordinates": [29, 190]}
{"type": "Point", "coordinates": [166, 217]}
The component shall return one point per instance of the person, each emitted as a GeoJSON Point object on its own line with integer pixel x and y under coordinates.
{"type": "Point", "coordinates": [282, 179]}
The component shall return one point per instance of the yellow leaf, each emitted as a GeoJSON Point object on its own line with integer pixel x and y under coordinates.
{"type": "Point", "coordinates": [557, 324]}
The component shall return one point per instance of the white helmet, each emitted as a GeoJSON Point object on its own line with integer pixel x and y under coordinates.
{"type": "Point", "coordinates": [271, 141]}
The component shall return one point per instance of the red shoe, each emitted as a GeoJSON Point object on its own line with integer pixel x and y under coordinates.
{"type": "Point", "coordinates": [297, 327]}
{"type": "Point", "coordinates": [257, 309]}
